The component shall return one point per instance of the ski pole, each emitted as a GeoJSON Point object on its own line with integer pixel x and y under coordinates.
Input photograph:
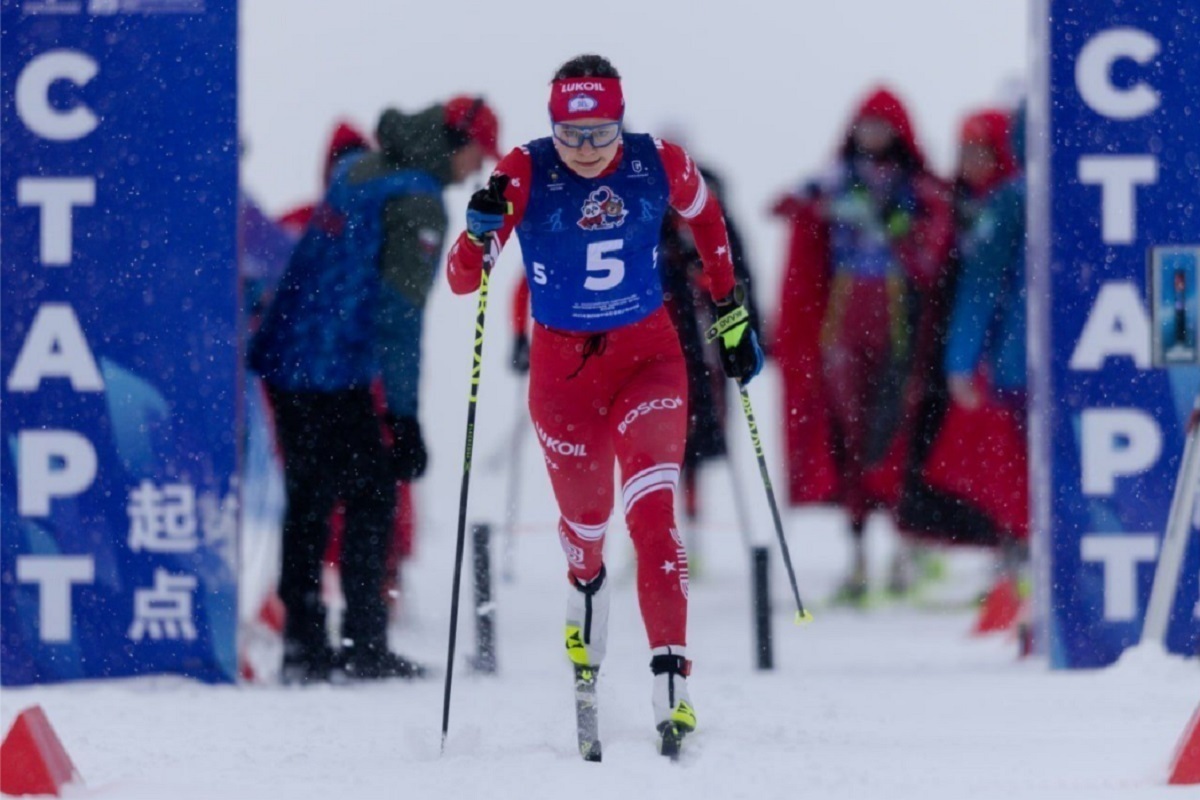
{"type": "Point", "coordinates": [1175, 537]}
{"type": "Point", "coordinates": [802, 614]}
{"type": "Point", "coordinates": [476, 368]}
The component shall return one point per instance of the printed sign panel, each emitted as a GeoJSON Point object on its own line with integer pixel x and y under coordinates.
{"type": "Point", "coordinates": [1173, 305]}
{"type": "Point", "coordinates": [1113, 175]}
{"type": "Point", "coordinates": [120, 358]}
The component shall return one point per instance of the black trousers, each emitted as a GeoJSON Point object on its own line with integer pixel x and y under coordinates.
{"type": "Point", "coordinates": [332, 448]}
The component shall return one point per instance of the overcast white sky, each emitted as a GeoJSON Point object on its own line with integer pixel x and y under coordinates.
{"type": "Point", "coordinates": [761, 89]}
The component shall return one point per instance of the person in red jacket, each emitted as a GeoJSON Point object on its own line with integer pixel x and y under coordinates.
{"type": "Point", "coordinates": [857, 318]}
{"type": "Point", "coordinates": [985, 162]}
{"type": "Point", "coordinates": [607, 377]}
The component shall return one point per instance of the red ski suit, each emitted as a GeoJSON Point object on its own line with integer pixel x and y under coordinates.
{"type": "Point", "coordinates": [620, 395]}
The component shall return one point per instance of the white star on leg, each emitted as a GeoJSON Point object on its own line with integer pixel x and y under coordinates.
{"type": "Point", "coordinates": [668, 567]}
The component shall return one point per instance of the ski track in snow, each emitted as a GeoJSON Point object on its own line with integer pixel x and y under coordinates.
{"type": "Point", "coordinates": [892, 703]}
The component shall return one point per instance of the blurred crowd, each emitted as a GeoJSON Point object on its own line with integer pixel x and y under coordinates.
{"type": "Point", "coordinates": [897, 330]}
{"type": "Point", "coordinates": [900, 337]}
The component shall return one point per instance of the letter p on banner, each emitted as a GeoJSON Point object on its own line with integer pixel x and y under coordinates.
{"type": "Point", "coordinates": [52, 464]}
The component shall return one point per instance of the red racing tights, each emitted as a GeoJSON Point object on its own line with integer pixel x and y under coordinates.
{"type": "Point", "coordinates": [618, 395]}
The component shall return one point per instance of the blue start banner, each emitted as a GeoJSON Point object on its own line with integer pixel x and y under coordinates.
{"type": "Point", "coordinates": [1114, 178]}
{"type": "Point", "coordinates": [121, 390]}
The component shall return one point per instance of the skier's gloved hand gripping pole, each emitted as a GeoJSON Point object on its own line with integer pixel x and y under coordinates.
{"type": "Point", "coordinates": [485, 216]}
{"type": "Point", "coordinates": [742, 359]}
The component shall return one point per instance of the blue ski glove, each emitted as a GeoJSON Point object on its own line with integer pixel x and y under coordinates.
{"type": "Point", "coordinates": [486, 210]}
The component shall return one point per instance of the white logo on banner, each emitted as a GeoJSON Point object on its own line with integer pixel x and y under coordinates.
{"type": "Point", "coordinates": [165, 611]}
{"type": "Point", "coordinates": [34, 7]}
{"type": "Point", "coordinates": [162, 520]}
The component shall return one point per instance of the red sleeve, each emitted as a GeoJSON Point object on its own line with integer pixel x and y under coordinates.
{"type": "Point", "coordinates": [296, 220]}
{"type": "Point", "coordinates": [520, 307]}
{"type": "Point", "coordinates": [699, 207]}
{"type": "Point", "coordinates": [925, 252]}
{"type": "Point", "coordinates": [465, 260]}
{"type": "Point", "coordinates": [805, 289]}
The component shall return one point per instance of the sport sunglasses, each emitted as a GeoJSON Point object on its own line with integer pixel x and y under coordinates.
{"type": "Point", "coordinates": [574, 136]}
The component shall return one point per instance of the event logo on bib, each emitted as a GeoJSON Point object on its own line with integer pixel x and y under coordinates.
{"type": "Point", "coordinates": [603, 210]}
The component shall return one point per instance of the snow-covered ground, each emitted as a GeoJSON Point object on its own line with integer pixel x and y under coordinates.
{"type": "Point", "coordinates": [899, 702]}
{"type": "Point", "coordinates": [896, 703]}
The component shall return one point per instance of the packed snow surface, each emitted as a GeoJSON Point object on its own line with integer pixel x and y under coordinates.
{"type": "Point", "coordinates": [896, 702]}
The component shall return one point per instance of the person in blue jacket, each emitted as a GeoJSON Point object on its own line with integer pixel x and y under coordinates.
{"type": "Point", "coordinates": [985, 346]}
{"type": "Point", "coordinates": [349, 311]}
{"type": "Point", "coordinates": [987, 325]}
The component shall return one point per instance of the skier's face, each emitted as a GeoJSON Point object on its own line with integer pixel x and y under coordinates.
{"type": "Point", "coordinates": [466, 161]}
{"type": "Point", "coordinates": [874, 136]}
{"type": "Point", "coordinates": [978, 163]}
{"type": "Point", "coordinates": [587, 160]}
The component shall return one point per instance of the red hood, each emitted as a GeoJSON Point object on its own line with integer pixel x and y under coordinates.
{"type": "Point", "coordinates": [990, 128]}
{"type": "Point", "coordinates": [346, 139]}
{"type": "Point", "coordinates": [790, 206]}
{"type": "Point", "coordinates": [880, 102]}
{"type": "Point", "coordinates": [883, 103]}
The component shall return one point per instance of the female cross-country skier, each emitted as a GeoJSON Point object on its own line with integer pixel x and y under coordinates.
{"type": "Point", "coordinates": [607, 376]}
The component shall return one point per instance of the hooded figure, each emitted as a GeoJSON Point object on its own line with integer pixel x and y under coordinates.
{"type": "Point", "coordinates": [348, 313]}
{"type": "Point", "coordinates": [979, 454]}
{"type": "Point", "coordinates": [863, 292]}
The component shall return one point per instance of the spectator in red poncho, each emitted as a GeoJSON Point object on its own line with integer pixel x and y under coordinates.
{"type": "Point", "coordinates": [863, 285]}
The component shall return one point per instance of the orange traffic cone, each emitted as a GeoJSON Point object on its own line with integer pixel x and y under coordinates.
{"type": "Point", "coordinates": [1185, 767]}
{"type": "Point", "coordinates": [32, 759]}
{"type": "Point", "coordinates": [1001, 608]}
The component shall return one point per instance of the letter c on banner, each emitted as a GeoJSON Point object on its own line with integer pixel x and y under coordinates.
{"type": "Point", "coordinates": [33, 95]}
{"type": "Point", "coordinates": [1093, 73]}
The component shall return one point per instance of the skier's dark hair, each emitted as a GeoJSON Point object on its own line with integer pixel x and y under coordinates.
{"type": "Point", "coordinates": [588, 65]}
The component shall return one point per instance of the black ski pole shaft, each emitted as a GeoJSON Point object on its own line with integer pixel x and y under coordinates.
{"type": "Point", "coordinates": [476, 368]}
{"type": "Point", "coordinates": [802, 614]}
